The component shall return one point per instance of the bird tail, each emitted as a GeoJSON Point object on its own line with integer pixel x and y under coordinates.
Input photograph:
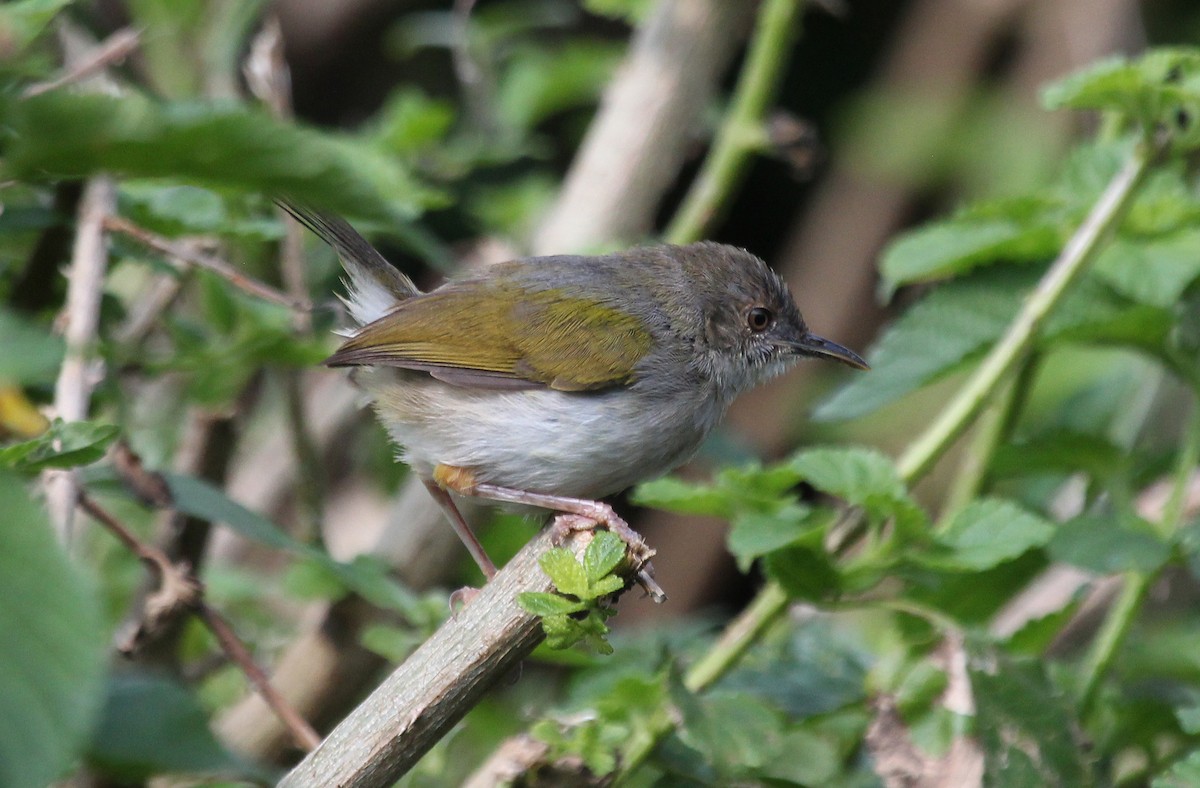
{"type": "Point", "coordinates": [374, 286]}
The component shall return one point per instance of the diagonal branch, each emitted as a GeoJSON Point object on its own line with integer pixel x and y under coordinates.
{"type": "Point", "coordinates": [436, 686]}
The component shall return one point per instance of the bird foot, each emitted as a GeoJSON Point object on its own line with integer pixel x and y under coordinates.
{"type": "Point", "coordinates": [461, 598]}
{"type": "Point", "coordinates": [640, 553]}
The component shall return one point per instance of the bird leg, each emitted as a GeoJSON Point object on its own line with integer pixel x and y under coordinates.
{"type": "Point", "coordinates": [586, 515]}
{"type": "Point", "coordinates": [459, 523]}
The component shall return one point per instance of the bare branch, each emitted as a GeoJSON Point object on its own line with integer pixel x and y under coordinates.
{"type": "Point", "coordinates": [180, 254]}
{"type": "Point", "coordinates": [81, 322]}
{"type": "Point", "coordinates": [180, 591]}
{"type": "Point", "coordinates": [638, 141]}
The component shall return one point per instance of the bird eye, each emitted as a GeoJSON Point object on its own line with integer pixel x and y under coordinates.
{"type": "Point", "coordinates": [759, 318]}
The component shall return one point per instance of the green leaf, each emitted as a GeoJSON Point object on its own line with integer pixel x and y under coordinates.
{"type": "Point", "coordinates": [31, 354]}
{"type": "Point", "coordinates": [1112, 543]}
{"type": "Point", "coordinates": [803, 572]}
{"type": "Point", "coordinates": [734, 731]}
{"type": "Point", "coordinates": [69, 134]}
{"type": "Point", "coordinates": [602, 555]}
{"type": "Point", "coordinates": [756, 533]}
{"type": "Point", "coordinates": [1023, 723]}
{"type": "Point", "coordinates": [565, 571]}
{"type": "Point", "coordinates": [542, 604]}
{"type": "Point", "coordinates": [943, 330]}
{"type": "Point", "coordinates": [1059, 451]}
{"type": "Point", "coordinates": [960, 244]}
{"type": "Point", "coordinates": [855, 475]}
{"type": "Point", "coordinates": [22, 22]}
{"type": "Point", "coordinates": [53, 651]}
{"type": "Point", "coordinates": [1182, 774]}
{"type": "Point", "coordinates": [861, 477]}
{"type": "Point", "coordinates": [675, 495]}
{"type": "Point", "coordinates": [64, 445]}
{"type": "Point", "coordinates": [632, 11]}
{"type": "Point", "coordinates": [1152, 271]}
{"type": "Point", "coordinates": [988, 532]}
{"type": "Point", "coordinates": [544, 81]}
{"type": "Point", "coordinates": [151, 725]}
{"type": "Point", "coordinates": [364, 575]}
{"type": "Point", "coordinates": [1151, 89]}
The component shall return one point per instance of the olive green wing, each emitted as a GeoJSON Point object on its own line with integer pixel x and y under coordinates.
{"type": "Point", "coordinates": [487, 335]}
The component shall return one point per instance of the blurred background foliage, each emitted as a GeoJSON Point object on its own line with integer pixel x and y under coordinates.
{"type": "Point", "coordinates": [1025, 613]}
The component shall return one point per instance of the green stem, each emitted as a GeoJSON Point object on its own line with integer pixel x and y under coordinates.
{"type": "Point", "coordinates": [1017, 341]}
{"type": "Point", "coordinates": [766, 608]}
{"type": "Point", "coordinates": [741, 133]}
{"type": "Point", "coordinates": [1121, 615]}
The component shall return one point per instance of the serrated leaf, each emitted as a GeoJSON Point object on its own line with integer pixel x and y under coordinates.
{"type": "Point", "coordinates": [1106, 544]}
{"type": "Point", "coordinates": [861, 477]}
{"type": "Point", "coordinates": [988, 532]}
{"type": "Point", "coordinates": [1059, 451]}
{"type": "Point", "coordinates": [54, 650]}
{"type": "Point", "coordinates": [219, 145]}
{"type": "Point", "coordinates": [960, 244]}
{"type": "Point", "coordinates": [852, 474]}
{"type": "Point", "coordinates": [64, 445]}
{"type": "Point", "coordinates": [733, 731]}
{"type": "Point", "coordinates": [565, 571]}
{"type": "Point", "coordinates": [940, 332]}
{"type": "Point", "coordinates": [602, 555]}
{"type": "Point", "coordinates": [803, 572]}
{"type": "Point", "coordinates": [755, 533]}
{"type": "Point", "coordinates": [1023, 723]}
{"type": "Point", "coordinates": [605, 586]}
{"type": "Point", "coordinates": [150, 725]}
{"type": "Point", "coordinates": [675, 495]}
{"type": "Point", "coordinates": [1152, 89]}
{"type": "Point", "coordinates": [1152, 271]}
{"type": "Point", "coordinates": [542, 604]}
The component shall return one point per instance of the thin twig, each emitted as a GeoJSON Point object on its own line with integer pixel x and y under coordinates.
{"type": "Point", "coordinates": [108, 52]}
{"type": "Point", "coordinates": [237, 651]}
{"type": "Point", "coordinates": [180, 254]}
{"type": "Point", "coordinates": [184, 592]}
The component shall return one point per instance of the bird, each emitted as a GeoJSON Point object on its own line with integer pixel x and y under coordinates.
{"type": "Point", "coordinates": [555, 381]}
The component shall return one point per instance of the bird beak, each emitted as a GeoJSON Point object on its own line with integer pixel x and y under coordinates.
{"type": "Point", "coordinates": [813, 345]}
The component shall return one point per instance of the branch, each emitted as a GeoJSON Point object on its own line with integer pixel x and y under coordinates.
{"type": "Point", "coordinates": [110, 51]}
{"type": "Point", "coordinates": [439, 683]}
{"type": "Point", "coordinates": [81, 319]}
{"type": "Point", "coordinates": [181, 591]}
{"type": "Point", "coordinates": [637, 143]}
{"type": "Point", "coordinates": [179, 253]}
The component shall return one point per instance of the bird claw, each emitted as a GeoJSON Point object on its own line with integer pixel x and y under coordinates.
{"type": "Point", "coordinates": [461, 598]}
{"type": "Point", "coordinates": [640, 553]}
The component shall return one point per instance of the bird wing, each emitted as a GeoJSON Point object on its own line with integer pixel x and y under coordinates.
{"type": "Point", "coordinates": [492, 335]}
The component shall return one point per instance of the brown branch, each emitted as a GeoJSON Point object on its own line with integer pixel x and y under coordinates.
{"type": "Point", "coordinates": [180, 591]}
{"type": "Point", "coordinates": [439, 683]}
{"type": "Point", "coordinates": [179, 253]}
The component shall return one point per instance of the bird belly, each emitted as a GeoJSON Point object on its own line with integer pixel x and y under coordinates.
{"type": "Point", "coordinates": [582, 445]}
